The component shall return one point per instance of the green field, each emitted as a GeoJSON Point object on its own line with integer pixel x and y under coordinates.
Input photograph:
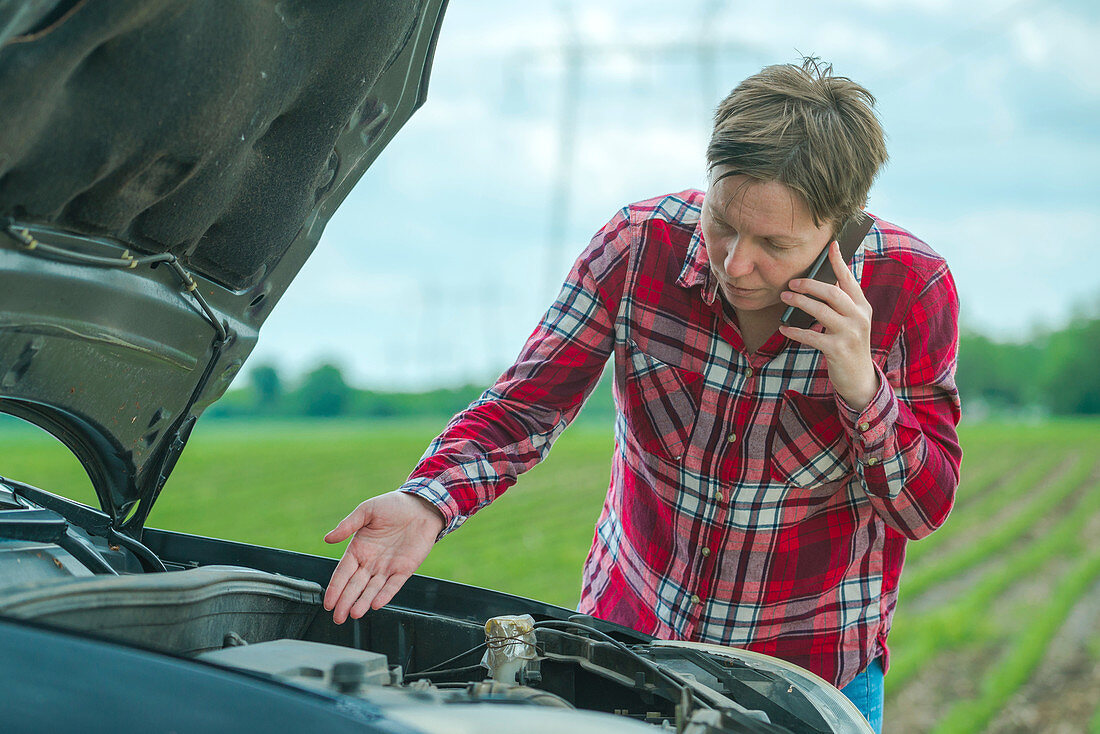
{"type": "Point", "coordinates": [998, 622]}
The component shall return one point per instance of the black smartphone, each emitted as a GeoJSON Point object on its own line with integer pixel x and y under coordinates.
{"type": "Point", "coordinates": [849, 238]}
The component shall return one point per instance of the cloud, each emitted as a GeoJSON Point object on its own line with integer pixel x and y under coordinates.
{"type": "Point", "coordinates": [1062, 44]}
{"type": "Point", "coordinates": [1016, 267]}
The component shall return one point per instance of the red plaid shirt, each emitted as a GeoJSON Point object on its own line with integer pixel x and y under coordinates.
{"type": "Point", "coordinates": [749, 505]}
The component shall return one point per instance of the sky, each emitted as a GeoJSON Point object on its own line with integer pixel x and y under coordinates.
{"type": "Point", "coordinates": [440, 262]}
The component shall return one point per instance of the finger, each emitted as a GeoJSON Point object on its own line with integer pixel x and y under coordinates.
{"type": "Point", "coordinates": [833, 295]}
{"type": "Point", "coordinates": [350, 595]}
{"type": "Point", "coordinates": [387, 592]}
{"type": "Point", "coordinates": [362, 604]}
{"type": "Point", "coordinates": [358, 518]}
{"type": "Point", "coordinates": [347, 566]}
{"type": "Point", "coordinates": [823, 312]}
{"type": "Point", "coordinates": [845, 278]}
{"type": "Point", "coordinates": [814, 339]}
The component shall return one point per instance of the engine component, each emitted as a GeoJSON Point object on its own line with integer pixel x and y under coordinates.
{"type": "Point", "coordinates": [510, 642]}
{"type": "Point", "coordinates": [313, 664]}
{"type": "Point", "coordinates": [182, 612]}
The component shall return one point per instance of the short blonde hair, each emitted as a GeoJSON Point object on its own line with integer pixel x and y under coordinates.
{"type": "Point", "coordinates": [807, 129]}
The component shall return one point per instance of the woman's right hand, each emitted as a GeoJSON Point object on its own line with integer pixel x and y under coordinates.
{"type": "Point", "coordinates": [393, 534]}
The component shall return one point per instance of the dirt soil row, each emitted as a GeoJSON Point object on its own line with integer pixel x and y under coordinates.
{"type": "Point", "coordinates": [955, 675]}
{"type": "Point", "coordinates": [954, 587]}
{"type": "Point", "coordinates": [954, 545]}
{"type": "Point", "coordinates": [1064, 692]}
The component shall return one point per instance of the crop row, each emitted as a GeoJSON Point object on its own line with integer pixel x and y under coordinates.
{"type": "Point", "coordinates": [1002, 536]}
{"type": "Point", "coordinates": [1024, 653]}
{"type": "Point", "coordinates": [1015, 481]}
{"type": "Point", "coordinates": [962, 622]}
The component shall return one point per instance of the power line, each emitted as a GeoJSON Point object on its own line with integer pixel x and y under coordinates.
{"type": "Point", "coordinates": [578, 57]}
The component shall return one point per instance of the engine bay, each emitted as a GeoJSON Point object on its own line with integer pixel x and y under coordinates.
{"type": "Point", "coordinates": [411, 662]}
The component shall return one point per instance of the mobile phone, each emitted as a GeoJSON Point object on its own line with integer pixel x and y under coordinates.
{"type": "Point", "coordinates": [851, 235]}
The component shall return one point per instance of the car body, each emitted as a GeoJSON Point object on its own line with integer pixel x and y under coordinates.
{"type": "Point", "coordinates": [166, 169]}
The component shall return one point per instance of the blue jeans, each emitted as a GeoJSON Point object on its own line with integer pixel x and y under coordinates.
{"type": "Point", "coordinates": [866, 692]}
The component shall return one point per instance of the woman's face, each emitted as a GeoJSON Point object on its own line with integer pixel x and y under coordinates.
{"type": "Point", "coordinates": [759, 235]}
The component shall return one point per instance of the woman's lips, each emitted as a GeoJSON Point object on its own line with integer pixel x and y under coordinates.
{"type": "Point", "coordinates": [734, 290]}
{"type": "Point", "coordinates": [731, 290]}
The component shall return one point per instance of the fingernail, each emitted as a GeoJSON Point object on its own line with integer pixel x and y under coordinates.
{"type": "Point", "coordinates": [786, 295]}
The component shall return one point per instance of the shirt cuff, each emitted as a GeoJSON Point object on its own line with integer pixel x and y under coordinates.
{"type": "Point", "coordinates": [869, 429]}
{"type": "Point", "coordinates": [434, 491]}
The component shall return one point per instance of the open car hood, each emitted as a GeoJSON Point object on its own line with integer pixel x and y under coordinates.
{"type": "Point", "coordinates": [166, 168]}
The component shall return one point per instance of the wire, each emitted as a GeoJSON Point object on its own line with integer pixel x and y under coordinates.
{"type": "Point", "coordinates": [445, 671]}
{"type": "Point", "coordinates": [499, 642]}
{"type": "Point", "coordinates": [125, 262]}
{"type": "Point", "coordinates": [648, 664]}
{"type": "Point", "coordinates": [496, 643]}
{"type": "Point", "coordinates": [447, 661]}
{"type": "Point", "coordinates": [599, 633]}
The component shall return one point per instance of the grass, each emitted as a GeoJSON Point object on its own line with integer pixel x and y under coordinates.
{"type": "Point", "coordinates": [979, 479]}
{"type": "Point", "coordinates": [1094, 653]}
{"type": "Point", "coordinates": [967, 516]}
{"type": "Point", "coordinates": [286, 485]}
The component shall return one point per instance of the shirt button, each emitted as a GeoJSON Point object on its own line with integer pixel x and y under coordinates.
{"type": "Point", "coordinates": [864, 426]}
{"type": "Point", "coordinates": [872, 461]}
{"type": "Point", "coordinates": [719, 496]}
{"type": "Point", "coordinates": [695, 599]}
{"type": "Point", "coordinates": [706, 552]}
{"type": "Point", "coordinates": [731, 438]}
{"type": "Point", "coordinates": [748, 372]}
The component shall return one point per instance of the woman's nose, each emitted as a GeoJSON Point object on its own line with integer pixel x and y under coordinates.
{"type": "Point", "coordinates": [738, 262]}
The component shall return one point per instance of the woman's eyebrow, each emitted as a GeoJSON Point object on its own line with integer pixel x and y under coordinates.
{"type": "Point", "coordinates": [777, 238]}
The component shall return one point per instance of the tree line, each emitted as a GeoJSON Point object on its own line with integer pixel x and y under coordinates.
{"type": "Point", "coordinates": [1054, 372]}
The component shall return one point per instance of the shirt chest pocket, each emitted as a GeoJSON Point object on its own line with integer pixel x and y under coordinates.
{"type": "Point", "coordinates": [809, 446]}
{"type": "Point", "coordinates": [662, 403]}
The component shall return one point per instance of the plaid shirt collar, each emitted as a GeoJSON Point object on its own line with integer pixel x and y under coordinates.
{"type": "Point", "coordinates": [696, 270]}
